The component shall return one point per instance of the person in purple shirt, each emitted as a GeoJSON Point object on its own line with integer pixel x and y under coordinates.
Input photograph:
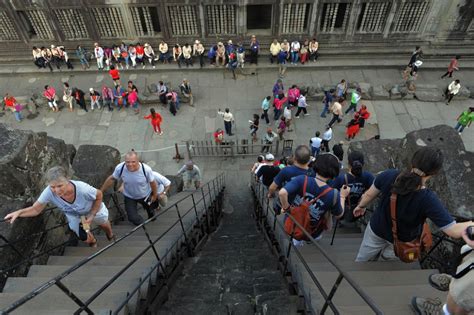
{"type": "Point", "coordinates": [254, 48]}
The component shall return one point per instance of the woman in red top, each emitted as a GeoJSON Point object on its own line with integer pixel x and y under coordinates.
{"type": "Point", "coordinates": [140, 54]}
{"type": "Point", "coordinates": [115, 74]}
{"type": "Point", "coordinates": [363, 116]}
{"type": "Point", "coordinates": [453, 65]}
{"type": "Point", "coordinates": [353, 127]}
{"type": "Point", "coordinates": [155, 121]}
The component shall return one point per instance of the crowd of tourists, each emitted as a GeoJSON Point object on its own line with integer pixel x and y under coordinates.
{"type": "Point", "coordinates": [303, 185]}
{"type": "Point", "coordinates": [133, 55]}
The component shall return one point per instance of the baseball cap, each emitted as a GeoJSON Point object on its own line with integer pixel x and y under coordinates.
{"type": "Point", "coordinates": [269, 157]}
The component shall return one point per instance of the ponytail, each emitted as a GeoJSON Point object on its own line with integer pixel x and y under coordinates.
{"type": "Point", "coordinates": [406, 183]}
{"type": "Point", "coordinates": [356, 162]}
{"type": "Point", "coordinates": [425, 162]}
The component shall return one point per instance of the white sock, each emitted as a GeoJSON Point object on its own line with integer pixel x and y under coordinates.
{"type": "Point", "coordinates": [445, 310]}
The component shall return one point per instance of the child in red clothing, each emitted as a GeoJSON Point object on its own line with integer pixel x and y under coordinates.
{"type": "Point", "coordinates": [219, 136]}
{"type": "Point", "coordinates": [115, 74]}
{"type": "Point", "coordinates": [353, 127]}
{"type": "Point", "coordinates": [155, 121]}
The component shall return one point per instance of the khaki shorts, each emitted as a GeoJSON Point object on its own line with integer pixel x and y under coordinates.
{"type": "Point", "coordinates": [163, 200]}
{"type": "Point", "coordinates": [462, 290]}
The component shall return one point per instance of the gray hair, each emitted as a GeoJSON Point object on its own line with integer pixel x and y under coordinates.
{"type": "Point", "coordinates": [132, 153]}
{"type": "Point", "coordinates": [57, 173]}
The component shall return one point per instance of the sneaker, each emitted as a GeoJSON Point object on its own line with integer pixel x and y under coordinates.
{"type": "Point", "coordinates": [423, 306]}
{"type": "Point", "coordinates": [306, 114]}
{"type": "Point", "coordinates": [297, 116]}
{"type": "Point", "coordinates": [440, 281]}
{"type": "Point", "coordinates": [161, 133]}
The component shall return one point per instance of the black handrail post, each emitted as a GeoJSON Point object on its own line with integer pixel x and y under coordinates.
{"type": "Point", "coordinates": [190, 251]}
{"type": "Point", "coordinates": [195, 211]}
{"type": "Point", "coordinates": [154, 251]}
{"type": "Point", "coordinates": [206, 209]}
{"type": "Point", "coordinates": [213, 213]}
{"type": "Point", "coordinates": [328, 301]}
{"type": "Point", "coordinates": [290, 243]}
{"type": "Point", "coordinates": [334, 231]}
{"type": "Point", "coordinates": [73, 297]}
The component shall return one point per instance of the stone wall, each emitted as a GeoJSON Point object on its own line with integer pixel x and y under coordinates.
{"type": "Point", "coordinates": [346, 21]}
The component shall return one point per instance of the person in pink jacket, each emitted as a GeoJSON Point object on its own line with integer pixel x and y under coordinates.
{"type": "Point", "coordinates": [50, 94]}
{"type": "Point", "coordinates": [133, 101]}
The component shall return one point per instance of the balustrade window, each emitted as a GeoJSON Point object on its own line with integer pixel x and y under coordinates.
{"type": "Point", "coordinates": [372, 17]}
{"type": "Point", "coordinates": [410, 16]}
{"type": "Point", "coordinates": [183, 19]}
{"type": "Point", "coordinates": [295, 17]}
{"type": "Point", "coordinates": [7, 30]}
{"type": "Point", "coordinates": [109, 22]}
{"type": "Point", "coordinates": [36, 24]}
{"type": "Point", "coordinates": [335, 17]}
{"type": "Point", "coordinates": [72, 23]}
{"type": "Point", "coordinates": [145, 20]}
{"type": "Point", "coordinates": [221, 19]}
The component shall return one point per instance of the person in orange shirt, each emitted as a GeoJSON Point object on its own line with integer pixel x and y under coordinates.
{"type": "Point", "coordinates": [9, 101]}
{"type": "Point", "coordinates": [115, 74]}
{"type": "Point", "coordinates": [155, 119]}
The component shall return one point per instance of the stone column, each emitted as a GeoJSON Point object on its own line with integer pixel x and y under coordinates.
{"type": "Point", "coordinates": [164, 21]}
{"type": "Point", "coordinates": [353, 17]}
{"type": "Point", "coordinates": [128, 21]}
{"type": "Point", "coordinates": [391, 16]}
{"type": "Point", "coordinates": [242, 18]}
{"type": "Point", "coordinates": [201, 19]}
{"type": "Point", "coordinates": [313, 19]}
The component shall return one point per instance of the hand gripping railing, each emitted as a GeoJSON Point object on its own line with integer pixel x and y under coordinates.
{"type": "Point", "coordinates": [264, 204]}
{"type": "Point", "coordinates": [211, 192]}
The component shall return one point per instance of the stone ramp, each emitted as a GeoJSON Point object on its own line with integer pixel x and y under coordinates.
{"type": "Point", "coordinates": [391, 285]}
{"type": "Point", "coordinates": [89, 278]}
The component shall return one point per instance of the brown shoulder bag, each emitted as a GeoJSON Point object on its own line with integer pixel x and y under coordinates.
{"type": "Point", "coordinates": [408, 251]}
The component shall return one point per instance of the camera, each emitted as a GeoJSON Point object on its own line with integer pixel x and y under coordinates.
{"type": "Point", "coordinates": [470, 232]}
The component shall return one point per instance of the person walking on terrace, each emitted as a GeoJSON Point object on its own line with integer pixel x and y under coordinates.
{"type": "Point", "coordinates": [464, 120]}
{"type": "Point", "coordinates": [453, 89]}
{"type": "Point", "coordinates": [155, 120]}
{"type": "Point", "coordinates": [192, 174]}
{"type": "Point", "coordinates": [228, 120]}
{"type": "Point", "coordinates": [453, 65]}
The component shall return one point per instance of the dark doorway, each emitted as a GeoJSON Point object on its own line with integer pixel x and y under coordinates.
{"type": "Point", "coordinates": [259, 16]}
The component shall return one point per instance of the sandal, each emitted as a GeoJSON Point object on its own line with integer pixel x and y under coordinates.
{"type": "Point", "coordinates": [93, 244]}
{"type": "Point", "coordinates": [112, 238]}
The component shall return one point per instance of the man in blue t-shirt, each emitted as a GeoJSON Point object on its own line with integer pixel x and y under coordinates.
{"type": "Point", "coordinates": [302, 157]}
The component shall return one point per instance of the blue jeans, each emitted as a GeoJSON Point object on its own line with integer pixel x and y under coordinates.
{"type": "Point", "coordinates": [458, 127]}
{"type": "Point", "coordinates": [18, 116]}
{"type": "Point", "coordinates": [277, 113]}
{"type": "Point", "coordinates": [294, 56]}
{"type": "Point", "coordinates": [325, 110]}
{"type": "Point", "coordinates": [315, 151]}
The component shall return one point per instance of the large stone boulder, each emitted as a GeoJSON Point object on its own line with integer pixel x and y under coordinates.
{"type": "Point", "coordinates": [94, 163]}
{"type": "Point", "coordinates": [177, 184]}
{"type": "Point", "coordinates": [24, 158]}
{"type": "Point", "coordinates": [457, 168]}
{"type": "Point", "coordinates": [428, 93]}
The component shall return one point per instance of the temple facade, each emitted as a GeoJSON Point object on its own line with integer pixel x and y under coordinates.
{"type": "Point", "coordinates": [32, 22]}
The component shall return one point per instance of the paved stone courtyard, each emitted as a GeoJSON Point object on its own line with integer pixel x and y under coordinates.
{"type": "Point", "coordinates": [213, 89]}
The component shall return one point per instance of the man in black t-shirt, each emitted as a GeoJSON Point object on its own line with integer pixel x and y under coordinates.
{"type": "Point", "coordinates": [268, 171]}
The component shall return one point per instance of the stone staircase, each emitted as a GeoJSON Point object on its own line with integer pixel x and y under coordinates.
{"type": "Point", "coordinates": [391, 285]}
{"type": "Point", "coordinates": [235, 273]}
{"type": "Point", "coordinates": [90, 277]}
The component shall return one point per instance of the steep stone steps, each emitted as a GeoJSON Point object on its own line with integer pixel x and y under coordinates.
{"type": "Point", "coordinates": [390, 284]}
{"type": "Point", "coordinates": [88, 278]}
{"type": "Point", "coordinates": [234, 273]}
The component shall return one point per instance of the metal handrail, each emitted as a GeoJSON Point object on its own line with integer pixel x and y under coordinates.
{"type": "Point", "coordinates": [4, 272]}
{"type": "Point", "coordinates": [84, 305]}
{"type": "Point", "coordinates": [342, 274]}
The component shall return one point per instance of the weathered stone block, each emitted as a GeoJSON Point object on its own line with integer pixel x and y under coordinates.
{"type": "Point", "coordinates": [464, 93]}
{"type": "Point", "coordinates": [177, 184]}
{"type": "Point", "coordinates": [428, 93]}
{"type": "Point", "coordinates": [366, 90]}
{"type": "Point", "coordinates": [380, 93]}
